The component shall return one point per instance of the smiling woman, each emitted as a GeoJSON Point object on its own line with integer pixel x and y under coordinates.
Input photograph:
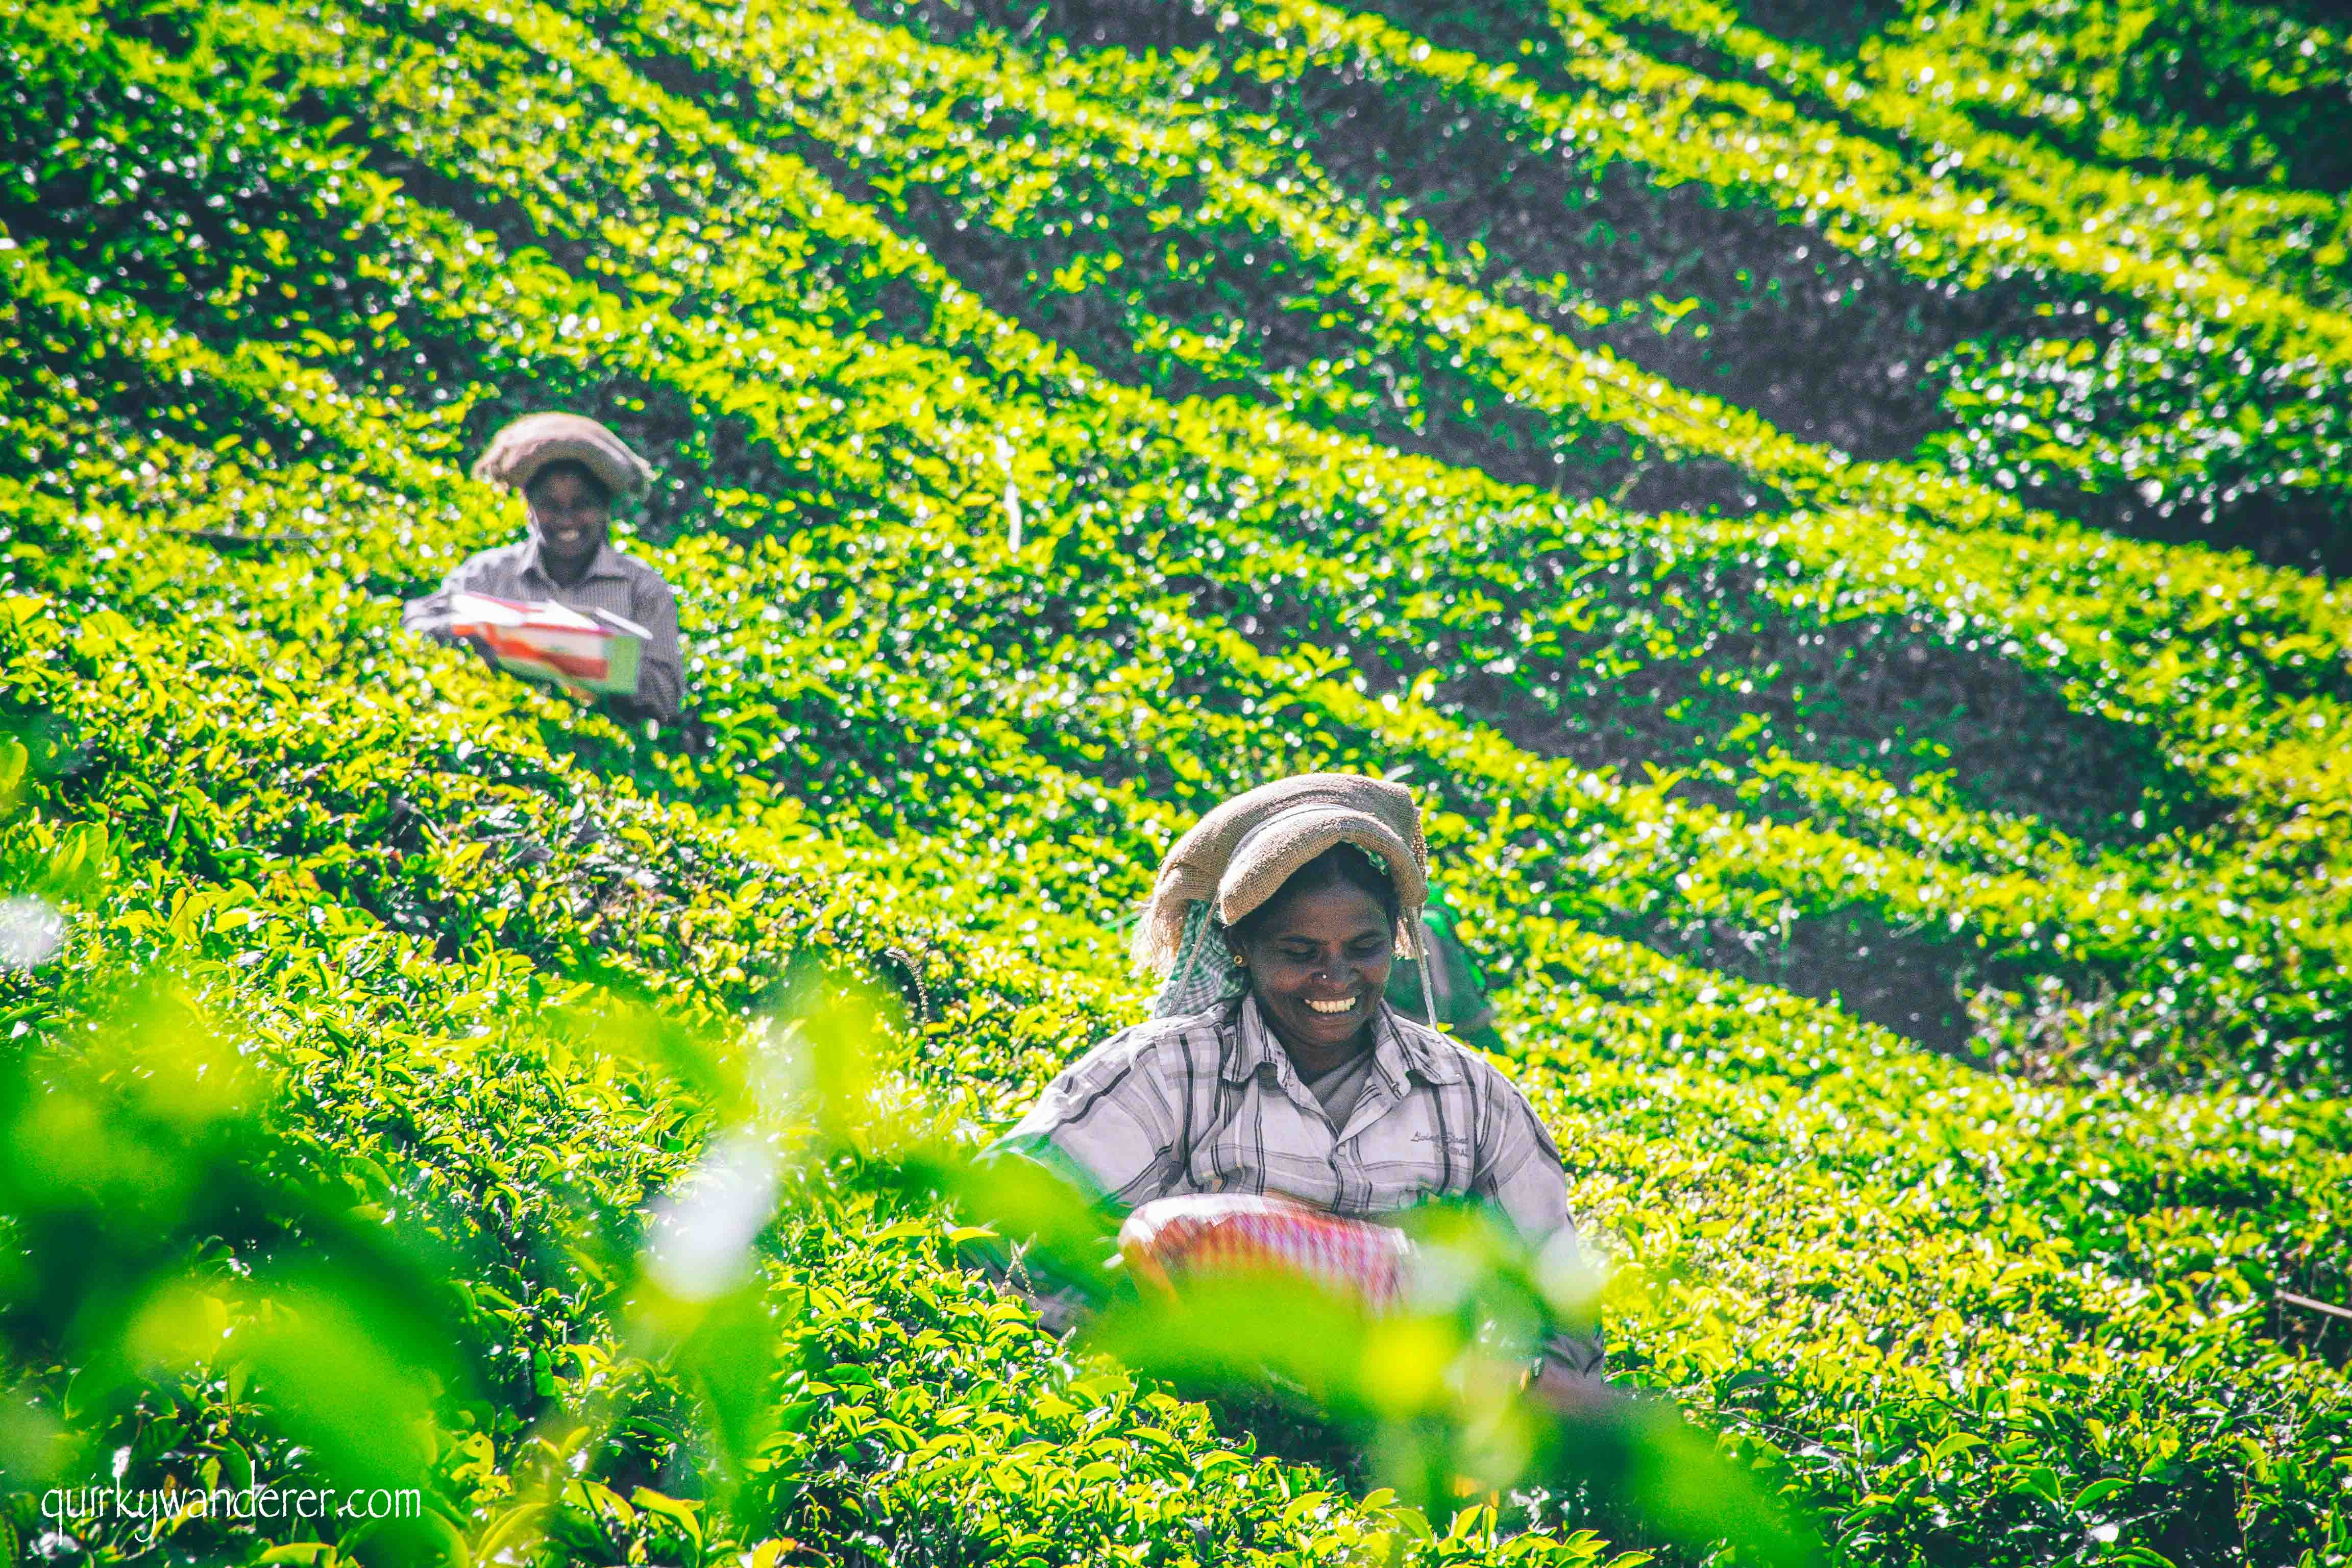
{"type": "Point", "coordinates": [1273, 1066]}
{"type": "Point", "coordinates": [1317, 957]}
{"type": "Point", "coordinates": [569, 468]}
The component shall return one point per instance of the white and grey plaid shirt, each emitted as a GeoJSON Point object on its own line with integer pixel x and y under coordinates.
{"type": "Point", "coordinates": [1210, 1104]}
{"type": "Point", "coordinates": [620, 584]}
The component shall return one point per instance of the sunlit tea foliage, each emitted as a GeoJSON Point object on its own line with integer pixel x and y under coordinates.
{"type": "Point", "coordinates": [1836, 508]}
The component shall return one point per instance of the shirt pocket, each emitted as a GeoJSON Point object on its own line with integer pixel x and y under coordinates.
{"type": "Point", "coordinates": [1403, 1158]}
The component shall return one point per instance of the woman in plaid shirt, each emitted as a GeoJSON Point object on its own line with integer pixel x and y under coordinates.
{"type": "Point", "coordinates": [1274, 1064]}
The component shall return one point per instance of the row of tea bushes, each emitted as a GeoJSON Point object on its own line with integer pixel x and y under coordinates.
{"type": "Point", "coordinates": [2046, 411]}
{"type": "Point", "coordinates": [1388, 339]}
{"type": "Point", "coordinates": [2228, 947]}
{"type": "Point", "coordinates": [2243, 92]}
{"type": "Point", "coordinates": [2162, 393]}
{"type": "Point", "coordinates": [2092, 548]}
{"type": "Point", "coordinates": [956, 543]}
{"type": "Point", "coordinates": [1743, 139]}
{"type": "Point", "coordinates": [1919, 80]}
{"type": "Point", "coordinates": [238, 761]}
{"type": "Point", "coordinates": [1083, 175]}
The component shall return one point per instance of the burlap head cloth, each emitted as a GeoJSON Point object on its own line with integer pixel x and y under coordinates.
{"type": "Point", "coordinates": [1239, 855]}
{"type": "Point", "coordinates": [535, 440]}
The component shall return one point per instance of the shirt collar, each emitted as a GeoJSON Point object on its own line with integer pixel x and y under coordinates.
{"type": "Point", "coordinates": [1396, 1050]}
{"type": "Point", "coordinates": [1250, 1045]}
{"type": "Point", "coordinates": [1421, 1049]}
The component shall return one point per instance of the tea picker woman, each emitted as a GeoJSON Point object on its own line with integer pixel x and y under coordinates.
{"type": "Point", "coordinates": [569, 469]}
{"type": "Point", "coordinates": [1272, 1063]}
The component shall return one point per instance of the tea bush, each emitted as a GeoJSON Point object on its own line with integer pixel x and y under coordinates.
{"type": "Point", "coordinates": [2207, 364]}
{"type": "Point", "coordinates": [1918, 912]}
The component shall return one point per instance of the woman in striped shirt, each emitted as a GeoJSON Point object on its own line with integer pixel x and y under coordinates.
{"type": "Point", "coordinates": [1273, 1064]}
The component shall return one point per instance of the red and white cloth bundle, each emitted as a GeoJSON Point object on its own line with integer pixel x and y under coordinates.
{"type": "Point", "coordinates": [547, 641]}
{"type": "Point", "coordinates": [1170, 1239]}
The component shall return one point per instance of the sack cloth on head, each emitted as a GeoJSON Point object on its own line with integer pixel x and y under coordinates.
{"type": "Point", "coordinates": [1238, 856]}
{"type": "Point", "coordinates": [531, 443]}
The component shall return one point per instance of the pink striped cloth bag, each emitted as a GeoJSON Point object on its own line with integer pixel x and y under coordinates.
{"type": "Point", "coordinates": [1170, 1240]}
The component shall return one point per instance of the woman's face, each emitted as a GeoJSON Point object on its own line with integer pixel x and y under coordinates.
{"type": "Point", "coordinates": [573, 518]}
{"type": "Point", "coordinates": [1319, 964]}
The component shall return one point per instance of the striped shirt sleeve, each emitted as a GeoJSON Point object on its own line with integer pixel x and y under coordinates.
{"type": "Point", "coordinates": [661, 674]}
{"type": "Point", "coordinates": [1114, 1117]}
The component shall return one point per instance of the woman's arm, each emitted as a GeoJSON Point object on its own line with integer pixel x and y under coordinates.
{"type": "Point", "coordinates": [428, 615]}
{"type": "Point", "coordinates": [1112, 1119]}
{"type": "Point", "coordinates": [1108, 1130]}
{"type": "Point", "coordinates": [661, 669]}
{"type": "Point", "coordinates": [1519, 1170]}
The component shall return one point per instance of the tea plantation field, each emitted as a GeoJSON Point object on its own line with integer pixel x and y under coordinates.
{"type": "Point", "coordinates": [1835, 508]}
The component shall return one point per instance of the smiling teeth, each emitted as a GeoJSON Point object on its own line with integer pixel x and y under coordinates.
{"type": "Point", "coordinates": [1346, 1006]}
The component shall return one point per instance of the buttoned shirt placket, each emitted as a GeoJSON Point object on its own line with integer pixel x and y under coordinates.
{"type": "Point", "coordinates": [1257, 1052]}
